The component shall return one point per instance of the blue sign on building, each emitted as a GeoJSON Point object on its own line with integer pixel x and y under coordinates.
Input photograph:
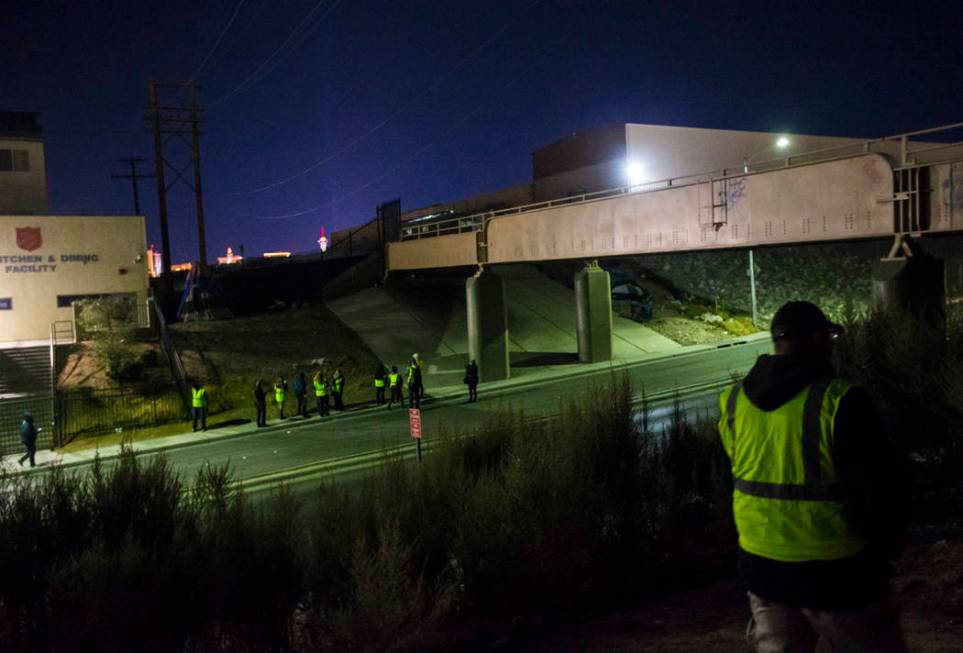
{"type": "Point", "coordinates": [6, 303]}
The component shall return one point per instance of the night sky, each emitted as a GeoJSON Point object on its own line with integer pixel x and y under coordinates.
{"type": "Point", "coordinates": [432, 101]}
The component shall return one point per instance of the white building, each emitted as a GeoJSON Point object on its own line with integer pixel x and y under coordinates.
{"type": "Point", "coordinates": [23, 177]}
{"type": "Point", "coordinates": [48, 262]}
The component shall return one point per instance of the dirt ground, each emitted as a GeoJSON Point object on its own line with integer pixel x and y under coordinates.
{"type": "Point", "coordinates": [927, 585]}
{"type": "Point", "coordinates": [229, 355]}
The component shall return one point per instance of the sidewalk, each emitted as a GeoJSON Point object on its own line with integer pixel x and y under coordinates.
{"type": "Point", "coordinates": [47, 458]}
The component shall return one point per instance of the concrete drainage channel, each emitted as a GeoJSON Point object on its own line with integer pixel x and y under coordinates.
{"type": "Point", "coordinates": [348, 467]}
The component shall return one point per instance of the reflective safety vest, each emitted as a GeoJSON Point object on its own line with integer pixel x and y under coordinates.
{"type": "Point", "coordinates": [338, 384]}
{"type": "Point", "coordinates": [320, 388]}
{"type": "Point", "coordinates": [393, 379]}
{"type": "Point", "coordinates": [786, 499]}
{"type": "Point", "coordinates": [198, 397]}
{"type": "Point", "coordinates": [379, 381]}
{"type": "Point", "coordinates": [279, 393]}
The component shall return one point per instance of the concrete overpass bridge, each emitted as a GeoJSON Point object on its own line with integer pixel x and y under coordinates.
{"type": "Point", "coordinates": [900, 187]}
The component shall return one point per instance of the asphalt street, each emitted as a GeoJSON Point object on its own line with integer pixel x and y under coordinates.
{"type": "Point", "coordinates": [305, 450]}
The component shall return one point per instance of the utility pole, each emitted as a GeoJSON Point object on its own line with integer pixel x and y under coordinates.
{"type": "Point", "coordinates": [170, 120]}
{"type": "Point", "coordinates": [161, 187]}
{"type": "Point", "coordinates": [196, 164]}
{"type": "Point", "coordinates": [134, 177]}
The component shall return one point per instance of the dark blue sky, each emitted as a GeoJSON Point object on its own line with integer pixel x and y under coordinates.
{"type": "Point", "coordinates": [431, 101]}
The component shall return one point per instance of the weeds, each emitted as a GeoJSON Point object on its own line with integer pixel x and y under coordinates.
{"type": "Point", "coordinates": [512, 524]}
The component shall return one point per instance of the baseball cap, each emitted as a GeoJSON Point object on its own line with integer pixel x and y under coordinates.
{"type": "Point", "coordinates": [795, 320]}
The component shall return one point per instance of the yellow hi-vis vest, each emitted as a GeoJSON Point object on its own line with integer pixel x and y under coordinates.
{"type": "Point", "coordinates": [279, 393]}
{"type": "Point", "coordinates": [198, 397]}
{"type": "Point", "coordinates": [786, 499]}
{"type": "Point", "coordinates": [379, 381]}
{"type": "Point", "coordinates": [393, 379]}
{"type": "Point", "coordinates": [320, 388]}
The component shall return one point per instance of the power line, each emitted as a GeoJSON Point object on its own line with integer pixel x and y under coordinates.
{"type": "Point", "coordinates": [217, 43]}
{"type": "Point", "coordinates": [461, 64]}
{"type": "Point", "coordinates": [468, 116]}
{"type": "Point", "coordinates": [291, 43]}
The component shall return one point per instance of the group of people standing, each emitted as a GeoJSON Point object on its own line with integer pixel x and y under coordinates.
{"type": "Point", "coordinates": [325, 390]}
{"type": "Point", "coordinates": [389, 386]}
{"type": "Point", "coordinates": [394, 381]}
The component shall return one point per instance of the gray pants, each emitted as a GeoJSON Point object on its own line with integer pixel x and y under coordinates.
{"type": "Point", "coordinates": [778, 628]}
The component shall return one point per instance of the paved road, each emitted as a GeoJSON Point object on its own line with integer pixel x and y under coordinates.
{"type": "Point", "coordinates": [306, 449]}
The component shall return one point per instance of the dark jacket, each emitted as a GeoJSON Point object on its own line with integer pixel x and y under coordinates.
{"type": "Point", "coordinates": [299, 385]}
{"type": "Point", "coordinates": [872, 480]}
{"type": "Point", "coordinates": [28, 432]}
{"type": "Point", "coordinates": [259, 395]}
{"type": "Point", "coordinates": [471, 373]}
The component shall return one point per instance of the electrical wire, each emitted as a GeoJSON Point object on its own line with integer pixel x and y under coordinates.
{"type": "Point", "coordinates": [378, 127]}
{"type": "Point", "coordinates": [310, 22]}
{"type": "Point", "coordinates": [468, 116]}
{"type": "Point", "coordinates": [217, 43]}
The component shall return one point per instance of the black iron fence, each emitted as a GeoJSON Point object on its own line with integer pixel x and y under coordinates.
{"type": "Point", "coordinates": [86, 412]}
{"type": "Point", "coordinates": [12, 408]}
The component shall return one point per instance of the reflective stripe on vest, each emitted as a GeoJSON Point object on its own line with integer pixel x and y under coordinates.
{"type": "Point", "coordinates": [787, 503]}
{"type": "Point", "coordinates": [320, 389]}
{"type": "Point", "coordinates": [338, 384]}
{"type": "Point", "coordinates": [198, 397]}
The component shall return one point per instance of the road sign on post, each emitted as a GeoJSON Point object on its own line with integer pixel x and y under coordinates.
{"type": "Point", "coordinates": [414, 425]}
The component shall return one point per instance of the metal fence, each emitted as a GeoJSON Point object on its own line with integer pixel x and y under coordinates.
{"type": "Point", "coordinates": [86, 412]}
{"type": "Point", "coordinates": [11, 414]}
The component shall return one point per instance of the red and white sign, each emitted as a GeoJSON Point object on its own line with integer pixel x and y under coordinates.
{"type": "Point", "coordinates": [29, 238]}
{"type": "Point", "coordinates": [414, 422]}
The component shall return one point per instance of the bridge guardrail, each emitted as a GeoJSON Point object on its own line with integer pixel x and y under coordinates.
{"type": "Point", "coordinates": [900, 144]}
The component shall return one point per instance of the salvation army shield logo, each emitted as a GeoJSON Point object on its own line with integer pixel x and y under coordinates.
{"type": "Point", "coordinates": [29, 238]}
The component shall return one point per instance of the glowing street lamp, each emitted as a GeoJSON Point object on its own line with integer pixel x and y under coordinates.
{"type": "Point", "coordinates": [634, 173]}
{"type": "Point", "coordinates": [323, 242]}
{"type": "Point", "coordinates": [781, 143]}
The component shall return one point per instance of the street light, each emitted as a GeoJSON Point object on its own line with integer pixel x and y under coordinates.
{"type": "Point", "coordinates": [781, 143]}
{"type": "Point", "coordinates": [634, 173]}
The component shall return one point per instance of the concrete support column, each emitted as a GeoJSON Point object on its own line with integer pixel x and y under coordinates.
{"type": "Point", "coordinates": [593, 305]}
{"type": "Point", "coordinates": [488, 325]}
{"type": "Point", "coordinates": [915, 286]}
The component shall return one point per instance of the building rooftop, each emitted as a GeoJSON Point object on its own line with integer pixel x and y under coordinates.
{"type": "Point", "coordinates": [20, 124]}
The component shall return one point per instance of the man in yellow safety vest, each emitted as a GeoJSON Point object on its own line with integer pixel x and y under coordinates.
{"type": "Point", "coordinates": [394, 388]}
{"type": "Point", "coordinates": [199, 405]}
{"type": "Point", "coordinates": [380, 381]}
{"type": "Point", "coordinates": [280, 394]}
{"type": "Point", "coordinates": [816, 496]}
{"type": "Point", "coordinates": [321, 394]}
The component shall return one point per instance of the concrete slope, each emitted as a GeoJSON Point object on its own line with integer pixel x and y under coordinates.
{"type": "Point", "coordinates": [432, 321]}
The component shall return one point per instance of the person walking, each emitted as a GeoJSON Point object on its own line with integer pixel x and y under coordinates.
{"type": "Point", "coordinates": [416, 359]}
{"type": "Point", "coordinates": [280, 394]}
{"type": "Point", "coordinates": [394, 388]}
{"type": "Point", "coordinates": [380, 381]}
{"type": "Point", "coordinates": [817, 497]}
{"type": "Point", "coordinates": [321, 394]}
{"type": "Point", "coordinates": [28, 437]}
{"type": "Point", "coordinates": [414, 383]}
{"type": "Point", "coordinates": [471, 380]}
{"type": "Point", "coordinates": [300, 388]}
{"type": "Point", "coordinates": [199, 405]}
{"type": "Point", "coordinates": [260, 403]}
{"type": "Point", "coordinates": [337, 388]}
